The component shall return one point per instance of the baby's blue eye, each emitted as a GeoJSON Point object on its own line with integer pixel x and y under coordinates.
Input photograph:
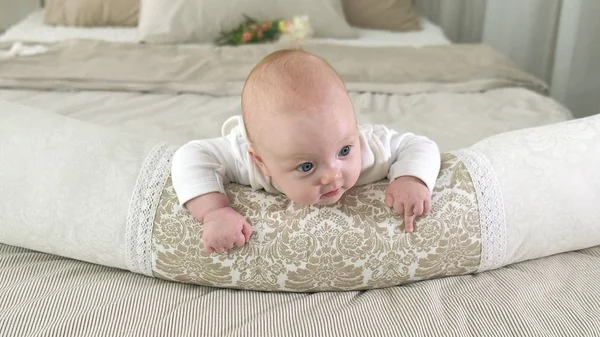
{"type": "Point", "coordinates": [345, 151]}
{"type": "Point", "coordinates": [306, 167]}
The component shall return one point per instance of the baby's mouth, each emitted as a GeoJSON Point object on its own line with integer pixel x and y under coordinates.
{"type": "Point", "coordinates": [332, 193]}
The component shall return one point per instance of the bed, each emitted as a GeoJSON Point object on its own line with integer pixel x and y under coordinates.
{"type": "Point", "coordinates": [451, 128]}
{"type": "Point", "coordinates": [48, 295]}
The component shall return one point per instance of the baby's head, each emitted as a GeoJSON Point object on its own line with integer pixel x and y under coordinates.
{"type": "Point", "coordinates": [301, 125]}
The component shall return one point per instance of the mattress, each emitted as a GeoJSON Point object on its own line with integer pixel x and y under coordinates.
{"type": "Point", "coordinates": [46, 295]}
{"type": "Point", "coordinates": [32, 28]}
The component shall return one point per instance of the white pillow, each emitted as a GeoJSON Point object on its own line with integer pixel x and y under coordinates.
{"type": "Point", "coordinates": [201, 21]}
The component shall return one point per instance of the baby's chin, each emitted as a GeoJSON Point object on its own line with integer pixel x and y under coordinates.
{"type": "Point", "coordinates": [327, 202]}
{"type": "Point", "coordinates": [323, 200]}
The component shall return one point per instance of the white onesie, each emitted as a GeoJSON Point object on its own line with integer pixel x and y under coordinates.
{"type": "Point", "coordinates": [206, 165]}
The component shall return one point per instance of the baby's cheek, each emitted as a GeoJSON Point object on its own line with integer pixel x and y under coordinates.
{"type": "Point", "coordinates": [299, 193]}
{"type": "Point", "coordinates": [355, 171]}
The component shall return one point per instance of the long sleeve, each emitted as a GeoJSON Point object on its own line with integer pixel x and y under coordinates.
{"type": "Point", "coordinates": [391, 154]}
{"type": "Point", "coordinates": [203, 166]}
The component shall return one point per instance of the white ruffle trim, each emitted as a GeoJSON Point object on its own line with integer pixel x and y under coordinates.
{"type": "Point", "coordinates": [142, 208]}
{"type": "Point", "coordinates": [491, 209]}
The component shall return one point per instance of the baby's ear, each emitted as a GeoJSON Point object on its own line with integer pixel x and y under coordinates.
{"type": "Point", "coordinates": [258, 160]}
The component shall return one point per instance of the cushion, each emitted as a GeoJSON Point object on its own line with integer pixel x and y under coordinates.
{"type": "Point", "coordinates": [179, 21]}
{"type": "Point", "coordinates": [359, 243]}
{"type": "Point", "coordinates": [393, 15]}
{"type": "Point", "coordinates": [70, 183]}
{"type": "Point", "coordinates": [108, 199]}
{"type": "Point", "coordinates": [91, 12]}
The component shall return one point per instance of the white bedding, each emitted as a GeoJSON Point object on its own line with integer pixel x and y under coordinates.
{"type": "Point", "coordinates": [32, 28]}
{"type": "Point", "coordinates": [179, 118]}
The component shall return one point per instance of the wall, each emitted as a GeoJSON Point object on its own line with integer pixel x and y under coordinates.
{"type": "Point", "coordinates": [11, 11]}
{"type": "Point", "coordinates": [525, 31]}
{"type": "Point", "coordinates": [462, 20]}
{"type": "Point", "coordinates": [556, 40]}
{"type": "Point", "coordinates": [576, 71]}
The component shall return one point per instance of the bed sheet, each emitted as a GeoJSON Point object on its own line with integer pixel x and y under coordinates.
{"type": "Point", "coordinates": [32, 28]}
{"type": "Point", "coordinates": [45, 295]}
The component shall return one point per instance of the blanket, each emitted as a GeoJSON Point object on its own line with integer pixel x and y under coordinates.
{"type": "Point", "coordinates": [100, 65]}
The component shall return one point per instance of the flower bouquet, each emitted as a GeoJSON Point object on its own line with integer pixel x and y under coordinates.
{"type": "Point", "coordinates": [254, 31]}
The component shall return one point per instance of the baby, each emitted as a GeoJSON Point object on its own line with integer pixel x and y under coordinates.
{"type": "Point", "coordinates": [298, 136]}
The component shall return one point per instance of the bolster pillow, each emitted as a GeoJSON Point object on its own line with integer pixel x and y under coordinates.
{"type": "Point", "coordinates": [86, 192]}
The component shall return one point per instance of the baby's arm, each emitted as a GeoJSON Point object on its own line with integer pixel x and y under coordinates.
{"type": "Point", "coordinates": [199, 171]}
{"type": "Point", "coordinates": [201, 167]}
{"type": "Point", "coordinates": [412, 165]}
{"type": "Point", "coordinates": [413, 156]}
{"type": "Point", "coordinates": [390, 154]}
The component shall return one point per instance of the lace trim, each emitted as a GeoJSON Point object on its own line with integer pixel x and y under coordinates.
{"type": "Point", "coordinates": [491, 209]}
{"type": "Point", "coordinates": [142, 208]}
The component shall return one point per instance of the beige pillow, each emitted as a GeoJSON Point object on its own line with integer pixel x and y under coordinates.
{"type": "Point", "coordinates": [92, 12]}
{"type": "Point", "coordinates": [201, 21]}
{"type": "Point", "coordinates": [356, 244]}
{"type": "Point", "coordinates": [394, 15]}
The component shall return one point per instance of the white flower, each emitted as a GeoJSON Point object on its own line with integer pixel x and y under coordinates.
{"type": "Point", "coordinates": [298, 29]}
{"type": "Point", "coordinates": [302, 28]}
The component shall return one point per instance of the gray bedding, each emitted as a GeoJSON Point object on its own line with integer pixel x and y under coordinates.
{"type": "Point", "coordinates": [44, 295]}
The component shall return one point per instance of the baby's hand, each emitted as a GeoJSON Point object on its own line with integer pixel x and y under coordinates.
{"type": "Point", "coordinates": [409, 196]}
{"type": "Point", "coordinates": [224, 228]}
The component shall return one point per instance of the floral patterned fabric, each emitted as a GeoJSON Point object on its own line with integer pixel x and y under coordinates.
{"type": "Point", "coordinates": [359, 243]}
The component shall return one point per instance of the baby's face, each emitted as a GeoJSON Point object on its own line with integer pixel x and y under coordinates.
{"type": "Point", "coordinates": [313, 155]}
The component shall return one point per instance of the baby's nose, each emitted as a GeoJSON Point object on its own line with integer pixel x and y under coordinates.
{"type": "Point", "coordinates": [330, 176]}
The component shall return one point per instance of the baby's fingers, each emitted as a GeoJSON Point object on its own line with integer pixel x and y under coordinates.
{"type": "Point", "coordinates": [389, 201]}
{"type": "Point", "coordinates": [398, 207]}
{"type": "Point", "coordinates": [247, 231]}
{"type": "Point", "coordinates": [426, 206]}
{"type": "Point", "coordinates": [240, 240]}
{"type": "Point", "coordinates": [408, 220]}
{"type": "Point", "coordinates": [212, 249]}
{"type": "Point", "coordinates": [418, 209]}
{"type": "Point", "coordinates": [208, 247]}
{"type": "Point", "coordinates": [213, 246]}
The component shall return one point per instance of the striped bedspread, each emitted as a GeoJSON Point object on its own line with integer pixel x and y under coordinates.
{"type": "Point", "coordinates": [45, 295]}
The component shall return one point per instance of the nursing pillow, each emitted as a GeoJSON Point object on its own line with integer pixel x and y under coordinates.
{"type": "Point", "coordinates": [90, 193]}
